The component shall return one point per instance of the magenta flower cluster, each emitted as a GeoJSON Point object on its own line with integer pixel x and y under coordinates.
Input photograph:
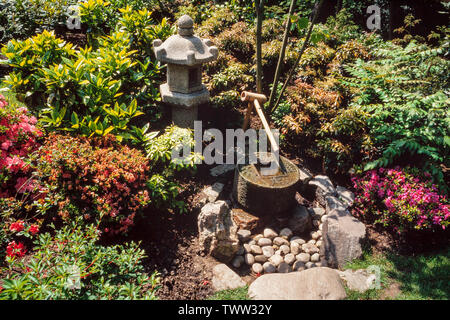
{"type": "Point", "coordinates": [18, 138]}
{"type": "Point", "coordinates": [403, 199]}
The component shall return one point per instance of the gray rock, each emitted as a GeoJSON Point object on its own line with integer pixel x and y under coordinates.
{"type": "Point", "coordinates": [240, 251]}
{"type": "Point", "coordinates": [264, 242]}
{"type": "Point", "coordinates": [286, 232]}
{"type": "Point", "coordinates": [269, 233]}
{"type": "Point", "coordinates": [280, 241]}
{"type": "Point", "coordinates": [317, 212]}
{"type": "Point", "coordinates": [244, 235]}
{"type": "Point", "coordinates": [334, 203]}
{"type": "Point", "coordinates": [342, 238]}
{"type": "Point", "coordinates": [284, 268]}
{"type": "Point", "coordinates": [359, 280]}
{"type": "Point", "coordinates": [276, 260]}
{"type": "Point", "coordinates": [213, 192]}
{"type": "Point", "coordinates": [249, 259]}
{"type": "Point", "coordinates": [298, 266]}
{"type": "Point", "coordinates": [300, 221]}
{"type": "Point", "coordinates": [315, 257]}
{"type": "Point", "coordinates": [224, 278]}
{"type": "Point", "coordinates": [257, 268]}
{"type": "Point", "coordinates": [268, 251]}
{"type": "Point", "coordinates": [312, 284]}
{"type": "Point", "coordinates": [289, 258]}
{"type": "Point", "coordinates": [269, 268]}
{"type": "Point", "coordinates": [310, 248]}
{"type": "Point", "coordinates": [255, 249]}
{"type": "Point", "coordinates": [346, 196]}
{"type": "Point", "coordinates": [303, 257]}
{"type": "Point", "coordinates": [260, 258]}
{"type": "Point", "coordinates": [285, 249]}
{"type": "Point", "coordinates": [217, 231]}
{"type": "Point", "coordinates": [237, 261]}
{"type": "Point", "coordinates": [221, 169]}
{"type": "Point", "coordinates": [324, 183]}
{"type": "Point", "coordinates": [295, 248]}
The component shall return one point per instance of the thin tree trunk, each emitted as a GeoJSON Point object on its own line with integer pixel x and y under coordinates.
{"type": "Point", "coordinates": [302, 50]}
{"type": "Point", "coordinates": [259, 4]}
{"type": "Point", "coordinates": [281, 57]}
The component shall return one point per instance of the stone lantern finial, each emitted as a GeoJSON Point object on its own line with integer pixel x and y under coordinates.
{"type": "Point", "coordinates": [185, 26]}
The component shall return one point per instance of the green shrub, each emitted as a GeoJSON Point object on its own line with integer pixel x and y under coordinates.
{"type": "Point", "coordinates": [221, 19]}
{"type": "Point", "coordinates": [404, 90]}
{"type": "Point", "coordinates": [96, 179]}
{"type": "Point", "coordinates": [70, 265]}
{"type": "Point", "coordinates": [237, 41]}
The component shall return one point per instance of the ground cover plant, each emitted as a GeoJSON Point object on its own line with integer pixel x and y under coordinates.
{"type": "Point", "coordinates": [86, 145]}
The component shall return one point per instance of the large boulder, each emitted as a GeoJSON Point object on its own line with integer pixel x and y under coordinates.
{"type": "Point", "coordinates": [217, 231]}
{"type": "Point", "coordinates": [323, 188]}
{"type": "Point", "coordinates": [342, 238]}
{"type": "Point", "coordinates": [312, 284]}
{"type": "Point", "coordinates": [300, 220]}
{"type": "Point", "coordinates": [224, 278]}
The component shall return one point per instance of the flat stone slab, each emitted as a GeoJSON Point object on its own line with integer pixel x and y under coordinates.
{"type": "Point", "coordinates": [221, 169]}
{"type": "Point", "coordinates": [319, 283]}
{"type": "Point", "coordinates": [358, 280]}
{"type": "Point", "coordinates": [224, 278]}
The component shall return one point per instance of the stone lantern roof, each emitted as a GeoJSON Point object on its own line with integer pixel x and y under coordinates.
{"type": "Point", "coordinates": [185, 48]}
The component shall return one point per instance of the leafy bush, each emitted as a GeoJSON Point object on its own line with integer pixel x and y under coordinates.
{"type": "Point", "coordinates": [404, 90]}
{"type": "Point", "coordinates": [221, 18]}
{"type": "Point", "coordinates": [237, 42]}
{"type": "Point", "coordinates": [70, 265]}
{"type": "Point", "coordinates": [401, 199]}
{"type": "Point", "coordinates": [321, 123]}
{"type": "Point", "coordinates": [96, 179]}
{"type": "Point", "coordinates": [89, 92]}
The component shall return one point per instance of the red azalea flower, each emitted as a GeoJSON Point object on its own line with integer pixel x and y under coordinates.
{"type": "Point", "coordinates": [16, 226]}
{"type": "Point", "coordinates": [34, 229]}
{"type": "Point", "coordinates": [15, 249]}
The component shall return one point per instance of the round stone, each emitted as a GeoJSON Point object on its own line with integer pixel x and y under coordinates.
{"type": "Point", "coordinates": [269, 268]}
{"type": "Point", "coordinates": [280, 241]}
{"type": "Point", "coordinates": [289, 258]}
{"type": "Point", "coordinates": [310, 248]}
{"type": "Point", "coordinates": [310, 264]}
{"type": "Point", "coordinates": [257, 268]}
{"type": "Point", "coordinates": [315, 236]}
{"type": "Point", "coordinates": [269, 233]}
{"type": "Point", "coordinates": [319, 233]}
{"type": "Point", "coordinates": [249, 259]}
{"type": "Point", "coordinates": [286, 232]}
{"type": "Point", "coordinates": [257, 237]}
{"type": "Point", "coordinates": [312, 241]}
{"type": "Point", "coordinates": [260, 258]}
{"type": "Point", "coordinates": [268, 251]}
{"type": "Point", "coordinates": [276, 260]}
{"type": "Point", "coordinates": [315, 257]}
{"type": "Point", "coordinates": [285, 249]}
{"type": "Point", "coordinates": [295, 248]}
{"type": "Point", "coordinates": [252, 242]}
{"type": "Point", "coordinates": [278, 252]}
{"type": "Point", "coordinates": [298, 266]}
{"type": "Point", "coordinates": [284, 268]}
{"type": "Point", "coordinates": [320, 227]}
{"type": "Point", "coordinates": [275, 247]}
{"type": "Point", "coordinates": [300, 241]}
{"type": "Point", "coordinates": [238, 261]}
{"type": "Point", "coordinates": [319, 243]}
{"type": "Point", "coordinates": [264, 242]}
{"type": "Point", "coordinates": [324, 218]}
{"type": "Point", "coordinates": [247, 248]}
{"type": "Point", "coordinates": [303, 257]}
{"type": "Point", "coordinates": [256, 249]}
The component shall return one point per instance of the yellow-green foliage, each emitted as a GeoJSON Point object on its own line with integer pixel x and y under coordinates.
{"type": "Point", "coordinates": [237, 41]}
{"type": "Point", "coordinates": [221, 19]}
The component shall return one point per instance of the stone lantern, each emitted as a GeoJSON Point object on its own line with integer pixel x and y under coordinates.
{"type": "Point", "coordinates": [184, 54]}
